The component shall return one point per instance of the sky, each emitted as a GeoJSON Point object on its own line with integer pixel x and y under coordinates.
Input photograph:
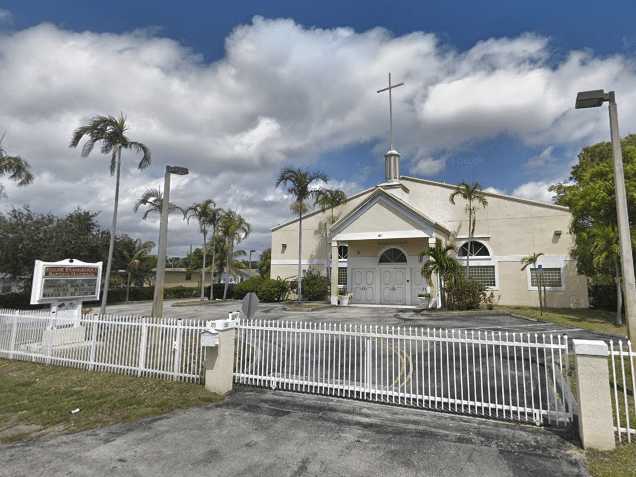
{"type": "Point", "coordinates": [236, 91]}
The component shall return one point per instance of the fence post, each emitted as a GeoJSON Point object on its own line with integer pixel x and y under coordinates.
{"type": "Point", "coordinates": [177, 355]}
{"type": "Point", "coordinates": [93, 342]}
{"type": "Point", "coordinates": [14, 332]}
{"type": "Point", "coordinates": [219, 356]}
{"type": "Point", "coordinates": [143, 340]}
{"type": "Point", "coordinates": [596, 424]}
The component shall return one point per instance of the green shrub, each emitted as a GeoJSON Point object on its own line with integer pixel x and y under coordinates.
{"type": "Point", "coordinates": [248, 286]}
{"type": "Point", "coordinates": [463, 293]}
{"type": "Point", "coordinates": [315, 286]}
{"type": "Point", "coordinates": [271, 290]}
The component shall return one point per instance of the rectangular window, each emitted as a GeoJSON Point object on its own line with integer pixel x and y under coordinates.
{"type": "Point", "coordinates": [551, 277]}
{"type": "Point", "coordinates": [342, 277]}
{"type": "Point", "coordinates": [188, 276]}
{"type": "Point", "coordinates": [484, 274]}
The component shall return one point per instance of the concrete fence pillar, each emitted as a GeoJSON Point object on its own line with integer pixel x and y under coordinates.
{"type": "Point", "coordinates": [334, 273]}
{"type": "Point", "coordinates": [219, 342]}
{"type": "Point", "coordinates": [596, 424]}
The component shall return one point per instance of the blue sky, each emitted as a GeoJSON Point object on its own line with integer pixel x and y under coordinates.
{"type": "Point", "coordinates": [530, 57]}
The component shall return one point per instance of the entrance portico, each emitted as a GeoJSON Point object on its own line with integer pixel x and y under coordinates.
{"type": "Point", "coordinates": [385, 237]}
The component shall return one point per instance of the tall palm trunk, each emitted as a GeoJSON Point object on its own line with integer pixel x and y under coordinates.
{"type": "Point", "coordinates": [619, 294]}
{"type": "Point", "coordinates": [203, 267]}
{"type": "Point", "coordinates": [539, 274]}
{"type": "Point", "coordinates": [300, 251]}
{"type": "Point", "coordinates": [213, 269]}
{"type": "Point", "coordinates": [228, 267]}
{"type": "Point", "coordinates": [113, 231]}
{"type": "Point", "coordinates": [128, 287]}
{"type": "Point", "coordinates": [470, 237]}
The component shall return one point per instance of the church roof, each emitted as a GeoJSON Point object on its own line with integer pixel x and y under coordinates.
{"type": "Point", "coordinates": [490, 194]}
{"type": "Point", "coordinates": [402, 204]}
{"type": "Point", "coordinates": [433, 183]}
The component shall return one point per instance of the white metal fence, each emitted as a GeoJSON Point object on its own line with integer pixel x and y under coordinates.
{"type": "Point", "coordinates": [514, 376]}
{"type": "Point", "coordinates": [163, 348]}
{"type": "Point", "coordinates": [623, 386]}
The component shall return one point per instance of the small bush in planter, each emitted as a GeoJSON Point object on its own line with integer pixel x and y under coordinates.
{"type": "Point", "coordinates": [248, 286]}
{"type": "Point", "coordinates": [315, 287]}
{"type": "Point", "coordinates": [463, 293]}
{"type": "Point", "coordinates": [271, 290]}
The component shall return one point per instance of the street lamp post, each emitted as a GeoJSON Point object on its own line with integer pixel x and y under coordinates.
{"type": "Point", "coordinates": [251, 252]}
{"type": "Point", "coordinates": [594, 99]}
{"type": "Point", "coordinates": [157, 302]}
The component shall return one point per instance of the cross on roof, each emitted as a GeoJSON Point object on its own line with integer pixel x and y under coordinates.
{"type": "Point", "coordinates": [389, 88]}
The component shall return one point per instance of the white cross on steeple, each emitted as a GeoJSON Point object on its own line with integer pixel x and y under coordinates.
{"type": "Point", "coordinates": [389, 88]}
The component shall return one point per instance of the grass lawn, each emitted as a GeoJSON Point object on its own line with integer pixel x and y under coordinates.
{"type": "Point", "coordinates": [36, 399]}
{"type": "Point", "coordinates": [618, 463]}
{"type": "Point", "coordinates": [589, 319]}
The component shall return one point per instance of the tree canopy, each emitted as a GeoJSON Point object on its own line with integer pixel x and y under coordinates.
{"type": "Point", "coordinates": [27, 236]}
{"type": "Point", "coordinates": [589, 193]}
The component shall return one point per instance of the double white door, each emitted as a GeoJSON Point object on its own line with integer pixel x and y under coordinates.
{"type": "Point", "coordinates": [389, 286]}
{"type": "Point", "coordinates": [394, 284]}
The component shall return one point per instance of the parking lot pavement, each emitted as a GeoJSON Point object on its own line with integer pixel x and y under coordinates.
{"type": "Point", "coordinates": [265, 433]}
{"type": "Point", "coordinates": [363, 315]}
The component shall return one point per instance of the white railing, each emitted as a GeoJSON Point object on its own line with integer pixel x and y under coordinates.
{"type": "Point", "coordinates": [515, 376]}
{"type": "Point", "coordinates": [155, 347]}
{"type": "Point", "coordinates": [623, 386]}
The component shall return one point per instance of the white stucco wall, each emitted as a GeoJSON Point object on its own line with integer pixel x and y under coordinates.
{"type": "Point", "coordinates": [511, 228]}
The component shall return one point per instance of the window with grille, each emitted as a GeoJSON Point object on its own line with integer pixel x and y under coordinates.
{"type": "Point", "coordinates": [484, 274]}
{"type": "Point", "coordinates": [342, 277]}
{"type": "Point", "coordinates": [477, 249]}
{"type": "Point", "coordinates": [343, 252]}
{"type": "Point", "coordinates": [393, 255]}
{"type": "Point", "coordinates": [551, 277]}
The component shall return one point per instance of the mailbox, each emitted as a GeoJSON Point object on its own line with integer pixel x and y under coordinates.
{"type": "Point", "coordinates": [209, 339]}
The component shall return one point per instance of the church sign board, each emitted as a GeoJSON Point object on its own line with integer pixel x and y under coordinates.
{"type": "Point", "coordinates": [65, 281]}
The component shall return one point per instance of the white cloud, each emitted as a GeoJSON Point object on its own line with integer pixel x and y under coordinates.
{"type": "Point", "coordinates": [535, 191]}
{"type": "Point", "coordinates": [428, 166]}
{"type": "Point", "coordinates": [542, 159]}
{"type": "Point", "coordinates": [281, 93]}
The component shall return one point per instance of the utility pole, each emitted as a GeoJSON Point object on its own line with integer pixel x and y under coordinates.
{"type": "Point", "coordinates": [594, 99]}
{"type": "Point", "coordinates": [157, 302]}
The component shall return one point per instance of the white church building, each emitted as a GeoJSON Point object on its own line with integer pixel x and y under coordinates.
{"type": "Point", "coordinates": [372, 249]}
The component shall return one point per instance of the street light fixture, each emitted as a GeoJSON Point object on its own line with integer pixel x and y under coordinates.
{"type": "Point", "coordinates": [157, 302]}
{"type": "Point", "coordinates": [594, 99]}
{"type": "Point", "coordinates": [250, 264]}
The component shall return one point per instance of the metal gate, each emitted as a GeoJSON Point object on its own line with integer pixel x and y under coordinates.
{"type": "Point", "coordinates": [502, 375]}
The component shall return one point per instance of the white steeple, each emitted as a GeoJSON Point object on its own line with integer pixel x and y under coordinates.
{"type": "Point", "coordinates": [392, 157]}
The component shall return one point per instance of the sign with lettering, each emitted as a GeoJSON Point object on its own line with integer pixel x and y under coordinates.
{"type": "Point", "coordinates": [66, 280]}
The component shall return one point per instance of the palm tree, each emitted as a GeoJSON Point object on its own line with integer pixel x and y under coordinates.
{"type": "Point", "coordinates": [299, 184]}
{"type": "Point", "coordinates": [138, 255]}
{"type": "Point", "coordinates": [330, 199]}
{"type": "Point", "coordinates": [532, 261]}
{"type": "Point", "coordinates": [234, 229]}
{"type": "Point", "coordinates": [152, 200]}
{"type": "Point", "coordinates": [110, 132]}
{"type": "Point", "coordinates": [216, 215]}
{"type": "Point", "coordinates": [441, 263]}
{"type": "Point", "coordinates": [474, 197]}
{"type": "Point", "coordinates": [16, 168]}
{"type": "Point", "coordinates": [207, 214]}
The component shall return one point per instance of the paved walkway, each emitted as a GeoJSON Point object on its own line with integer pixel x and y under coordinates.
{"type": "Point", "coordinates": [280, 434]}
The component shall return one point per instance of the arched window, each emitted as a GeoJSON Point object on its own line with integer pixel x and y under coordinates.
{"type": "Point", "coordinates": [477, 249]}
{"type": "Point", "coordinates": [393, 255]}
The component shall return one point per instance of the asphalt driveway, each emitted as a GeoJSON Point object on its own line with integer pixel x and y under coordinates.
{"type": "Point", "coordinates": [269, 433]}
{"type": "Point", "coordinates": [363, 315]}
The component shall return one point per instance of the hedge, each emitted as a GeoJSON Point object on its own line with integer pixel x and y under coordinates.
{"type": "Point", "coordinates": [118, 295]}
